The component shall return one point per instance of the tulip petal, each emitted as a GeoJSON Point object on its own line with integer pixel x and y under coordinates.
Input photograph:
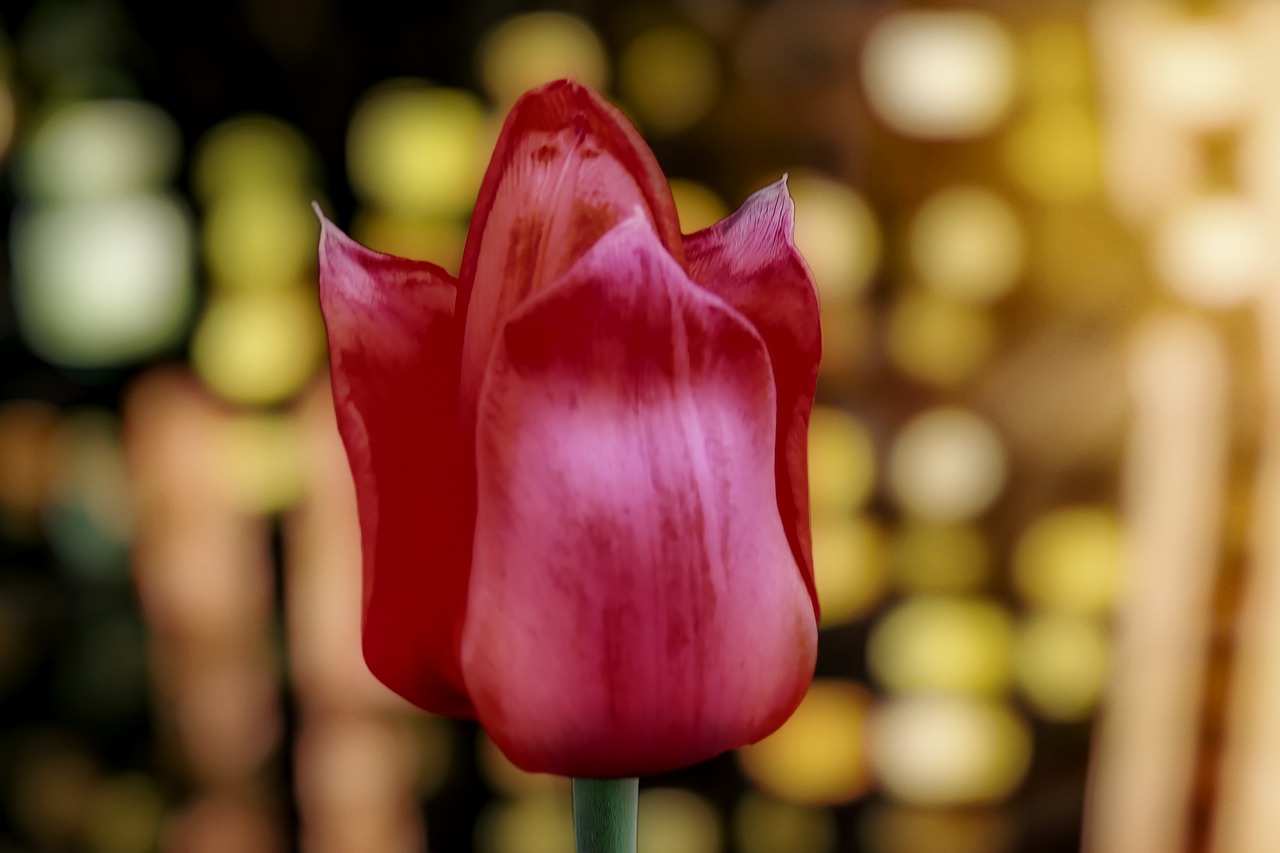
{"type": "Point", "coordinates": [635, 605]}
{"type": "Point", "coordinates": [567, 167]}
{"type": "Point", "coordinates": [393, 349]}
{"type": "Point", "coordinates": [750, 262]}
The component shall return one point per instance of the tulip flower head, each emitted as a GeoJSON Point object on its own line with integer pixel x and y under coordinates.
{"type": "Point", "coordinates": [580, 465]}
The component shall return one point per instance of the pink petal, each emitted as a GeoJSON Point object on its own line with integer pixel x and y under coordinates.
{"type": "Point", "coordinates": [567, 168]}
{"type": "Point", "coordinates": [393, 348]}
{"type": "Point", "coordinates": [749, 261]}
{"type": "Point", "coordinates": [635, 606]}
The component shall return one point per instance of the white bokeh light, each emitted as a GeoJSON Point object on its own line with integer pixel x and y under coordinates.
{"type": "Point", "coordinates": [943, 750]}
{"type": "Point", "coordinates": [104, 283]}
{"type": "Point", "coordinates": [96, 149]}
{"type": "Point", "coordinates": [947, 465]}
{"type": "Point", "coordinates": [1214, 252]}
{"type": "Point", "coordinates": [939, 74]}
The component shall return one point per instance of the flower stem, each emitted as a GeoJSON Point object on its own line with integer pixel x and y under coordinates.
{"type": "Point", "coordinates": [604, 815]}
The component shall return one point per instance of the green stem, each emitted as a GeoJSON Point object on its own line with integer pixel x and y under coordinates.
{"type": "Point", "coordinates": [604, 815]}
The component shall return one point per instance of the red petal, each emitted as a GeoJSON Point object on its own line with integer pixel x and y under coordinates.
{"type": "Point", "coordinates": [749, 261]}
{"type": "Point", "coordinates": [635, 606]}
{"type": "Point", "coordinates": [567, 168]}
{"type": "Point", "coordinates": [393, 349]}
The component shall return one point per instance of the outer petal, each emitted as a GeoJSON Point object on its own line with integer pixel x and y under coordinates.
{"type": "Point", "coordinates": [393, 350]}
{"type": "Point", "coordinates": [567, 167]}
{"type": "Point", "coordinates": [635, 606]}
{"type": "Point", "coordinates": [749, 261]}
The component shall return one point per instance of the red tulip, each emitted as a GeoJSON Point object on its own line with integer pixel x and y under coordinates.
{"type": "Point", "coordinates": [581, 464]}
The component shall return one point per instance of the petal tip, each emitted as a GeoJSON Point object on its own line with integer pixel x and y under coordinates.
{"type": "Point", "coordinates": [330, 233]}
{"type": "Point", "coordinates": [331, 236]}
{"type": "Point", "coordinates": [777, 195]}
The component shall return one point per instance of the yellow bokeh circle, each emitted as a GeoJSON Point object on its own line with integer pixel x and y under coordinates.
{"type": "Point", "coordinates": [849, 566]}
{"type": "Point", "coordinates": [669, 75]}
{"type": "Point", "coordinates": [1060, 664]}
{"type": "Point", "coordinates": [259, 347]}
{"type": "Point", "coordinates": [819, 755]}
{"type": "Point", "coordinates": [417, 148]}
{"type": "Point", "coordinates": [1070, 560]}
{"type": "Point", "coordinates": [930, 556]}
{"type": "Point", "coordinates": [841, 462]}
{"type": "Point", "coordinates": [525, 51]}
{"type": "Point", "coordinates": [967, 243]}
{"type": "Point", "coordinates": [943, 644]}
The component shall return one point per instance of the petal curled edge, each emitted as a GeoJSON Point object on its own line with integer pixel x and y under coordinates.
{"type": "Point", "coordinates": [393, 354]}
{"type": "Point", "coordinates": [750, 262]}
{"type": "Point", "coordinates": [566, 169]}
{"type": "Point", "coordinates": [635, 606]}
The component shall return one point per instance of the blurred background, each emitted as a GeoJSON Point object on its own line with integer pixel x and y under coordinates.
{"type": "Point", "coordinates": [1044, 465]}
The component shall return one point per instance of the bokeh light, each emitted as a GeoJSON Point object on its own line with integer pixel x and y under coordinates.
{"type": "Point", "coordinates": [946, 750]}
{"type": "Point", "coordinates": [898, 828]}
{"type": "Point", "coordinates": [947, 465]}
{"type": "Point", "coordinates": [669, 76]}
{"type": "Point", "coordinates": [392, 127]}
{"type": "Point", "coordinates": [249, 153]}
{"type": "Point", "coordinates": [528, 50]}
{"type": "Point", "coordinates": [1054, 153]}
{"type": "Point", "coordinates": [967, 243]}
{"type": "Point", "coordinates": [27, 429]}
{"type": "Point", "coordinates": [125, 815]}
{"type": "Point", "coordinates": [99, 149]}
{"type": "Point", "coordinates": [536, 823]}
{"type": "Point", "coordinates": [945, 645]}
{"type": "Point", "coordinates": [697, 205]}
{"type": "Point", "coordinates": [939, 339]}
{"type": "Point", "coordinates": [1061, 662]}
{"type": "Point", "coordinates": [1195, 74]}
{"type": "Point", "coordinates": [940, 557]}
{"type": "Point", "coordinates": [850, 566]}
{"type": "Point", "coordinates": [841, 462]}
{"type": "Point", "coordinates": [820, 754]}
{"type": "Point", "coordinates": [259, 236]}
{"type": "Point", "coordinates": [1054, 149]}
{"type": "Point", "coordinates": [1055, 56]}
{"type": "Point", "coordinates": [264, 471]}
{"type": "Point", "coordinates": [1215, 251]}
{"type": "Point", "coordinates": [939, 74]}
{"type": "Point", "coordinates": [88, 507]}
{"type": "Point", "coordinates": [837, 234]}
{"type": "Point", "coordinates": [762, 824]}
{"type": "Point", "coordinates": [677, 821]}
{"type": "Point", "coordinates": [259, 347]}
{"type": "Point", "coordinates": [106, 282]}
{"type": "Point", "coordinates": [1070, 560]}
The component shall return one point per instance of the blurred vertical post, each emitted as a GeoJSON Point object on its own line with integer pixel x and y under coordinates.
{"type": "Point", "coordinates": [204, 575]}
{"type": "Point", "coordinates": [356, 764]}
{"type": "Point", "coordinates": [1139, 800]}
{"type": "Point", "coordinates": [1247, 818]}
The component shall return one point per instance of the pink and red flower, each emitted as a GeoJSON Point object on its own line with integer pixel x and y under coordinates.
{"type": "Point", "coordinates": [581, 464]}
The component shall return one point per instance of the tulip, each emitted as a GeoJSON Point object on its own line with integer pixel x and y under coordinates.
{"type": "Point", "coordinates": [580, 465]}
